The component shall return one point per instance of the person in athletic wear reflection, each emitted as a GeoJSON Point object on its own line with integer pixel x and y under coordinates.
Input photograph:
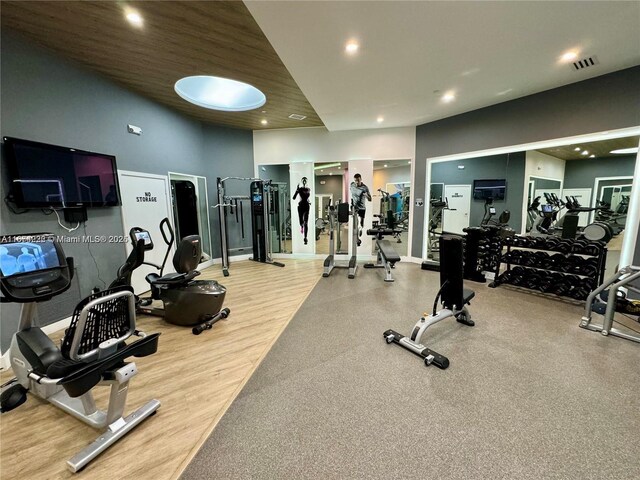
{"type": "Point", "coordinates": [359, 194]}
{"type": "Point", "coordinates": [303, 207]}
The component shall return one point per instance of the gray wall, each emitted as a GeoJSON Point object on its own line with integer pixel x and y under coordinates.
{"type": "Point", "coordinates": [492, 167]}
{"type": "Point", "coordinates": [603, 103]}
{"type": "Point", "coordinates": [47, 99]}
{"type": "Point", "coordinates": [277, 173]}
{"type": "Point", "coordinates": [333, 185]}
{"type": "Point", "coordinates": [582, 173]}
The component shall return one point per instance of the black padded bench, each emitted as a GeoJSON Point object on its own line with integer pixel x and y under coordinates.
{"type": "Point", "coordinates": [387, 255]}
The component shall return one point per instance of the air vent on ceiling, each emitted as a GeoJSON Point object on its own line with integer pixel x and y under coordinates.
{"type": "Point", "coordinates": [295, 116]}
{"type": "Point", "coordinates": [586, 62]}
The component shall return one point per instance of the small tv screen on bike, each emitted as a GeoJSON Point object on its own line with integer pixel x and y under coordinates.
{"type": "Point", "coordinates": [24, 257]}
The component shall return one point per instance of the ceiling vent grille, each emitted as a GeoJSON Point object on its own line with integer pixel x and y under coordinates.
{"type": "Point", "coordinates": [295, 116]}
{"type": "Point", "coordinates": [586, 62]}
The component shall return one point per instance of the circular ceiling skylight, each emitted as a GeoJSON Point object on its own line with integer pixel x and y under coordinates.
{"type": "Point", "coordinates": [218, 93]}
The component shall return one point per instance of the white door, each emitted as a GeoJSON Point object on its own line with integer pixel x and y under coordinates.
{"type": "Point", "coordinates": [145, 203]}
{"type": "Point", "coordinates": [457, 217]}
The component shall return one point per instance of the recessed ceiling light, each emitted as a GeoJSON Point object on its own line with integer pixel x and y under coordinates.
{"type": "Point", "coordinates": [569, 56]}
{"type": "Point", "coordinates": [448, 97]}
{"type": "Point", "coordinates": [351, 47]}
{"type": "Point", "coordinates": [409, 162]}
{"type": "Point", "coordinates": [133, 17]}
{"type": "Point", "coordinates": [380, 119]}
{"type": "Point", "coordinates": [585, 152]}
{"type": "Point", "coordinates": [622, 151]}
{"type": "Point", "coordinates": [264, 121]}
{"type": "Point", "coordinates": [592, 156]}
{"type": "Point", "coordinates": [330, 173]}
{"type": "Point", "coordinates": [577, 149]}
{"type": "Point", "coordinates": [322, 170]}
{"type": "Point", "coordinates": [385, 165]}
{"type": "Point", "coordinates": [217, 93]}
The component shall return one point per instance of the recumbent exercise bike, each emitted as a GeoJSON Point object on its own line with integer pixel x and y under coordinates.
{"type": "Point", "coordinates": [93, 350]}
{"type": "Point", "coordinates": [186, 302]}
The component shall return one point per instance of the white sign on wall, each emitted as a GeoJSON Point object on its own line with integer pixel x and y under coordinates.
{"type": "Point", "coordinates": [145, 203]}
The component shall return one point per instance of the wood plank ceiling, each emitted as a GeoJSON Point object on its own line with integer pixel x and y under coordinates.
{"type": "Point", "coordinates": [601, 149]}
{"type": "Point", "coordinates": [178, 39]}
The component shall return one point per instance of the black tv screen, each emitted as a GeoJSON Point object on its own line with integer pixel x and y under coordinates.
{"type": "Point", "coordinates": [43, 175]}
{"type": "Point", "coordinates": [494, 189]}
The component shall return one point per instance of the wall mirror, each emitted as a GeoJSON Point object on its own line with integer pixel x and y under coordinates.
{"type": "Point", "coordinates": [280, 206]}
{"type": "Point", "coordinates": [330, 187]}
{"type": "Point", "coordinates": [557, 191]}
{"type": "Point", "coordinates": [471, 192]}
{"type": "Point", "coordinates": [189, 201]}
{"type": "Point", "coordinates": [391, 200]}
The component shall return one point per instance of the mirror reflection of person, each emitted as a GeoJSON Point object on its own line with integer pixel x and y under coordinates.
{"type": "Point", "coordinates": [26, 261]}
{"type": "Point", "coordinates": [303, 207]}
{"type": "Point", "coordinates": [359, 194]}
{"type": "Point", "coordinates": [8, 263]}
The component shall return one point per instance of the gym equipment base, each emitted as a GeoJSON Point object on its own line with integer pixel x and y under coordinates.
{"type": "Point", "coordinates": [429, 356]}
{"type": "Point", "coordinates": [114, 432]}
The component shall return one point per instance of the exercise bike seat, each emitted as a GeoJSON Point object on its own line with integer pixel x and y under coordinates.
{"type": "Point", "coordinates": [171, 278]}
{"type": "Point", "coordinates": [87, 376]}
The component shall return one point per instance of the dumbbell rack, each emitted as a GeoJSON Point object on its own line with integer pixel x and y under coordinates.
{"type": "Point", "coordinates": [482, 250]}
{"type": "Point", "coordinates": [563, 283]}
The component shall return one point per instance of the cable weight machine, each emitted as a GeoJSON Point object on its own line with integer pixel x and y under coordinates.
{"type": "Point", "coordinates": [260, 200]}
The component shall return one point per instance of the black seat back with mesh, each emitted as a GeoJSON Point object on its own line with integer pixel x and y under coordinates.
{"type": "Point", "coordinates": [451, 271]}
{"type": "Point", "coordinates": [111, 319]}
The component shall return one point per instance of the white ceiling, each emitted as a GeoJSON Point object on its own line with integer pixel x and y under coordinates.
{"type": "Point", "coordinates": [409, 49]}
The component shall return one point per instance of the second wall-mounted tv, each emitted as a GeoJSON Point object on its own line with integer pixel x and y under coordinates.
{"type": "Point", "coordinates": [493, 189]}
{"type": "Point", "coordinates": [52, 176]}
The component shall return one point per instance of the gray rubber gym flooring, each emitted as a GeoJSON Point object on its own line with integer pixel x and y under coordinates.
{"type": "Point", "coordinates": [528, 395]}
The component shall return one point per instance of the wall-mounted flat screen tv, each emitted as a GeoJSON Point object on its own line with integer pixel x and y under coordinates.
{"type": "Point", "coordinates": [43, 175]}
{"type": "Point", "coordinates": [485, 189]}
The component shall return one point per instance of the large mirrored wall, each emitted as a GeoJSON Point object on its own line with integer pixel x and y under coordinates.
{"type": "Point", "coordinates": [556, 191]}
{"type": "Point", "coordinates": [473, 192]}
{"type": "Point", "coordinates": [392, 200]}
{"type": "Point", "coordinates": [331, 187]}
{"type": "Point", "coordinates": [304, 191]}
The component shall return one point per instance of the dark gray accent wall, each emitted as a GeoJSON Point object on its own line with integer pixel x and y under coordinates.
{"type": "Point", "coordinates": [333, 185]}
{"type": "Point", "coordinates": [276, 173]}
{"type": "Point", "coordinates": [228, 152]}
{"type": "Point", "coordinates": [603, 103]}
{"type": "Point", "coordinates": [582, 173]}
{"type": "Point", "coordinates": [47, 99]}
{"type": "Point", "coordinates": [492, 167]}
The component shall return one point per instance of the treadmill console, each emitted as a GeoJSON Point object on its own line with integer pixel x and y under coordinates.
{"type": "Point", "coordinates": [33, 267]}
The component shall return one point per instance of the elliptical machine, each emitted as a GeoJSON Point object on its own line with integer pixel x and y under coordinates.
{"type": "Point", "coordinates": [186, 302]}
{"type": "Point", "coordinates": [93, 350]}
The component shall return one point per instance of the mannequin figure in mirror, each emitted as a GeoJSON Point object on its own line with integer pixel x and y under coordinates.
{"type": "Point", "coordinates": [303, 206]}
{"type": "Point", "coordinates": [359, 194]}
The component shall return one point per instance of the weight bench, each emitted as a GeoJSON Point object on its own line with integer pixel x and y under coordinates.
{"type": "Point", "coordinates": [454, 298]}
{"type": "Point", "coordinates": [387, 256]}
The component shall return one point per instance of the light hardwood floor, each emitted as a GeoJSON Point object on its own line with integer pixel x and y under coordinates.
{"type": "Point", "coordinates": [195, 378]}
